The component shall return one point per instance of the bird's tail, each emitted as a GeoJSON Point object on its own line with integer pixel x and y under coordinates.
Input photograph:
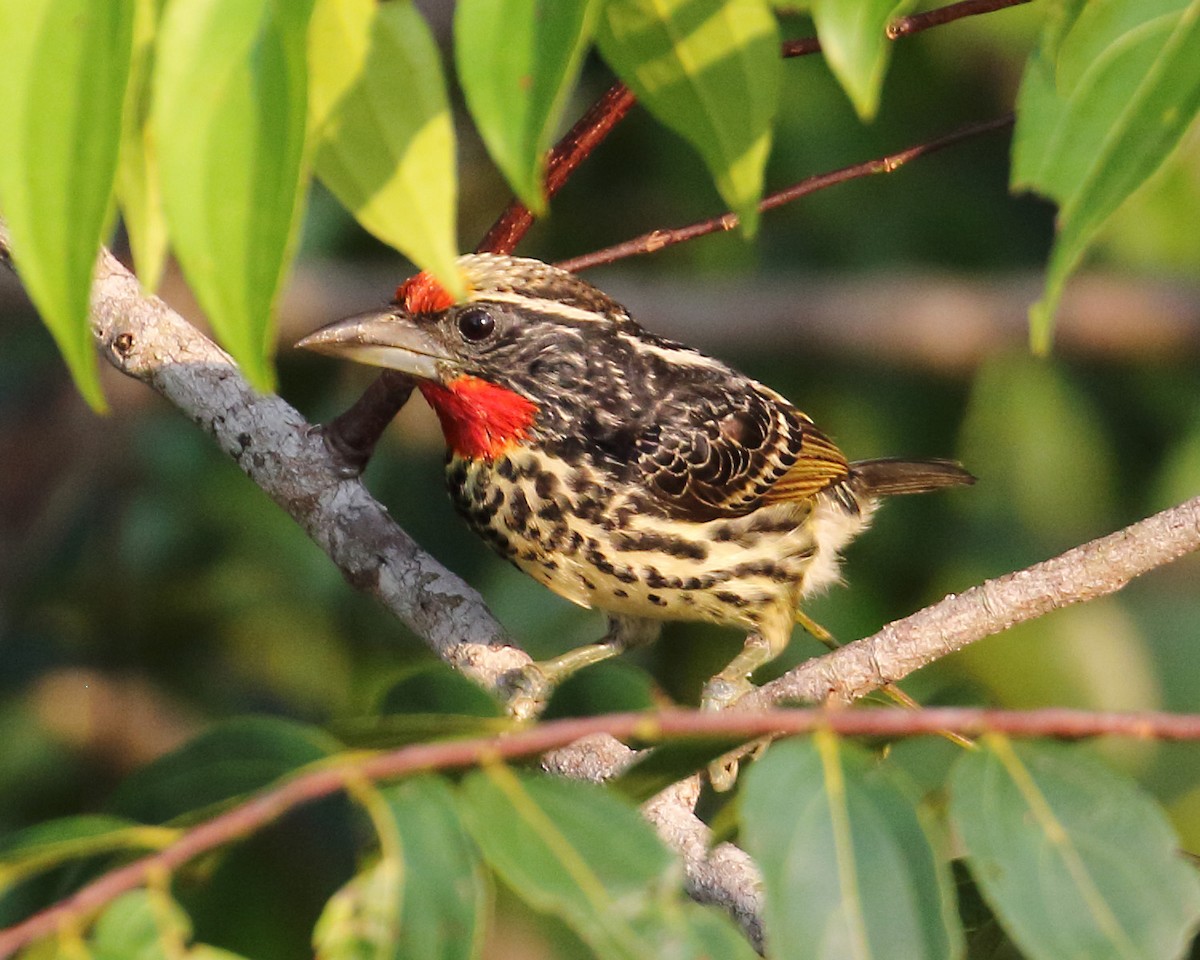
{"type": "Point", "coordinates": [884, 478]}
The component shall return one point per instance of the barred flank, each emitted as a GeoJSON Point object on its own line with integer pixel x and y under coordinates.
{"type": "Point", "coordinates": [883, 478]}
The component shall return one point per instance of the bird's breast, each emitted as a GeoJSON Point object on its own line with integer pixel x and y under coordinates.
{"type": "Point", "coordinates": [599, 541]}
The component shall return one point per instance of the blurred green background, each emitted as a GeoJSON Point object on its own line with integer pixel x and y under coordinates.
{"type": "Point", "coordinates": [147, 589]}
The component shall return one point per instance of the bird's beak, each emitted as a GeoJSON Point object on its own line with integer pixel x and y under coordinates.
{"type": "Point", "coordinates": [381, 338]}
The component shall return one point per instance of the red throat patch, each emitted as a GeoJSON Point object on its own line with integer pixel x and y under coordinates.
{"type": "Point", "coordinates": [421, 293]}
{"type": "Point", "coordinates": [479, 419]}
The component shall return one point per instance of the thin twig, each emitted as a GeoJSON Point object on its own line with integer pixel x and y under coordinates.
{"type": "Point", "coordinates": [907, 26]}
{"type": "Point", "coordinates": [656, 240]}
{"type": "Point", "coordinates": [577, 145]}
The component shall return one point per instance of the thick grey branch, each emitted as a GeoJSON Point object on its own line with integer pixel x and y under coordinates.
{"type": "Point", "coordinates": [280, 452]}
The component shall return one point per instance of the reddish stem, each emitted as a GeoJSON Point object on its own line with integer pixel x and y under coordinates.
{"type": "Point", "coordinates": [656, 240]}
{"type": "Point", "coordinates": [274, 802]}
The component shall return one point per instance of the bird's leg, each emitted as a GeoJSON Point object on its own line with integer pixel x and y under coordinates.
{"type": "Point", "coordinates": [733, 683]}
{"type": "Point", "coordinates": [530, 687]}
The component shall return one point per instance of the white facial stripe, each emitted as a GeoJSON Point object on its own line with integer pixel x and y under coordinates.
{"type": "Point", "coordinates": [675, 355]}
{"type": "Point", "coordinates": [543, 306]}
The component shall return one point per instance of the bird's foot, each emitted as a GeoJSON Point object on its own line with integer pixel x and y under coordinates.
{"type": "Point", "coordinates": [526, 691]}
{"type": "Point", "coordinates": [528, 688]}
{"type": "Point", "coordinates": [720, 693]}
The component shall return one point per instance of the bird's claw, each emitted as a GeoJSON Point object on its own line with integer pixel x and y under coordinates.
{"type": "Point", "coordinates": [722, 692]}
{"type": "Point", "coordinates": [526, 690]}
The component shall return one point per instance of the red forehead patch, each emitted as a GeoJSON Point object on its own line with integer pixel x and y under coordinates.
{"type": "Point", "coordinates": [423, 294]}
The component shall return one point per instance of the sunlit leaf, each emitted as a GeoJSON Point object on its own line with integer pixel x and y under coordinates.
{"type": "Point", "coordinates": [229, 116]}
{"type": "Point", "coordinates": [847, 868]}
{"type": "Point", "coordinates": [64, 65]}
{"type": "Point", "coordinates": [445, 910]}
{"type": "Point", "coordinates": [381, 127]}
{"type": "Point", "coordinates": [516, 89]}
{"type": "Point", "coordinates": [140, 925]}
{"type": "Point", "coordinates": [71, 838]}
{"type": "Point", "coordinates": [1075, 860]}
{"type": "Point", "coordinates": [1104, 101]}
{"type": "Point", "coordinates": [362, 920]}
{"type": "Point", "coordinates": [856, 47]}
{"type": "Point", "coordinates": [709, 70]}
{"type": "Point", "coordinates": [139, 192]}
{"type": "Point", "coordinates": [574, 850]}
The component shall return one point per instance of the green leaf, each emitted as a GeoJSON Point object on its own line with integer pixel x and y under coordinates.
{"type": "Point", "coordinates": [71, 838]}
{"type": "Point", "coordinates": [437, 688]}
{"type": "Point", "coordinates": [64, 65]}
{"type": "Point", "coordinates": [362, 920]}
{"type": "Point", "coordinates": [574, 850]}
{"type": "Point", "coordinates": [709, 70]}
{"type": "Point", "coordinates": [140, 925]}
{"type": "Point", "coordinates": [847, 868]}
{"type": "Point", "coordinates": [139, 192]}
{"type": "Point", "coordinates": [1074, 860]}
{"type": "Point", "coordinates": [1104, 101]}
{"type": "Point", "coordinates": [229, 113]}
{"type": "Point", "coordinates": [381, 127]}
{"type": "Point", "coordinates": [227, 761]}
{"type": "Point", "coordinates": [516, 89]}
{"type": "Point", "coordinates": [444, 915]}
{"type": "Point", "coordinates": [856, 47]}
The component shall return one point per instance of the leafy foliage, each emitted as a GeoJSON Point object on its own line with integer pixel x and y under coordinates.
{"type": "Point", "coordinates": [1072, 858]}
{"type": "Point", "coordinates": [220, 166]}
{"type": "Point", "coordinates": [225, 112]}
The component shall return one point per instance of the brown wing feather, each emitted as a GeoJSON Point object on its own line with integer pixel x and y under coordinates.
{"type": "Point", "coordinates": [819, 465]}
{"type": "Point", "coordinates": [734, 453]}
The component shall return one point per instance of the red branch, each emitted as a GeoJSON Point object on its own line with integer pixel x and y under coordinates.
{"type": "Point", "coordinates": [656, 240]}
{"type": "Point", "coordinates": [304, 788]}
{"type": "Point", "coordinates": [907, 26]}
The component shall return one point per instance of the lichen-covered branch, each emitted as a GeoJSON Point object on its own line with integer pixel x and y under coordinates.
{"type": "Point", "coordinates": [280, 452]}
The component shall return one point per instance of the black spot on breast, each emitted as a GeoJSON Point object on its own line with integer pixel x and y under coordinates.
{"type": "Point", "coordinates": [506, 469]}
{"type": "Point", "coordinates": [589, 509]}
{"type": "Point", "coordinates": [729, 599]}
{"type": "Point", "coordinates": [655, 599]}
{"type": "Point", "coordinates": [656, 542]}
{"type": "Point", "coordinates": [762, 568]}
{"type": "Point", "coordinates": [551, 511]}
{"type": "Point", "coordinates": [545, 485]}
{"type": "Point", "coordinates": [518, 508]}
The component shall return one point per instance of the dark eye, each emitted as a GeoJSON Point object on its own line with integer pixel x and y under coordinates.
{"type": "Point", "coordinates": [476, 324]}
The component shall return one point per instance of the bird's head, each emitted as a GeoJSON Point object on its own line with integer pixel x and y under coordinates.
{"type": "Point", "coordinates": [497, 364]}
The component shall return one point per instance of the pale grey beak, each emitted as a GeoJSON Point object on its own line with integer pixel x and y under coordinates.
{"type": "Point", "coordinates": [382, 339]}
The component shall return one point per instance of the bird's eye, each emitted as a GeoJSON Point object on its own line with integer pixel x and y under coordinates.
{"type": "Point", "coordinates": [475, 324]}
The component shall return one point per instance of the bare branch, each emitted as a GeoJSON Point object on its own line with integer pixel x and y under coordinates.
{"type": "Point", "coordinates": [271, 804]}
{"type": "Point", "coordinates": [907, 26]}
{"type": "Point", "coordinates": [278, 450]}
{"type": "Point", "coordinates": [656, 240]}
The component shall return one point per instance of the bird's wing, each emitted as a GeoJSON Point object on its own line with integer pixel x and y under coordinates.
{"type": "Point", "coordinates": [730, 455]}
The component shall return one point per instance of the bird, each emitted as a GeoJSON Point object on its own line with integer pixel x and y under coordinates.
{"type": "Point", "coordinates": [625, 471]}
